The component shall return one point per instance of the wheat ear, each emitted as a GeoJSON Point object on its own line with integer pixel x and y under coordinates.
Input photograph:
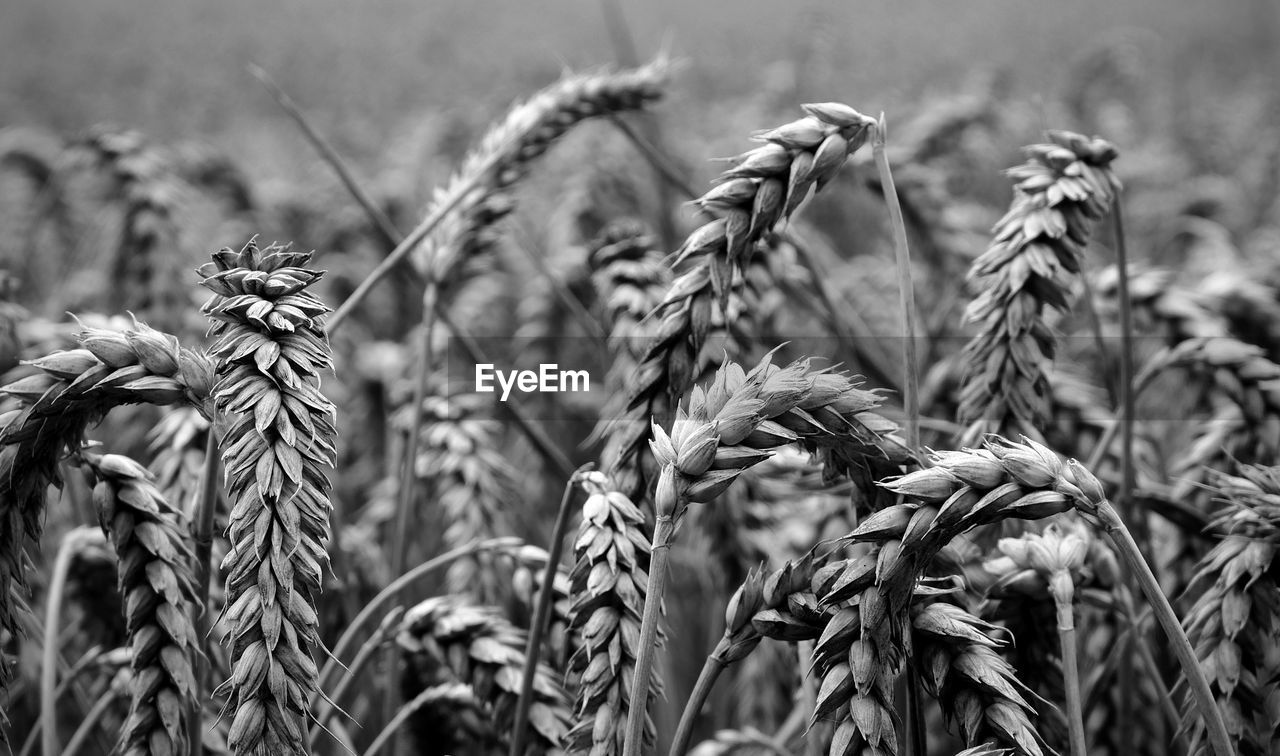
{"type": "Point", "coordinates": [72, 390]}
{"type": "Point", "coordinates": [157, 587]}
{"type": "Point", "coordinates": [1059, 194]}
{"type": "Point", "coordinates": [765, 186]}
{"type": "Point", "coordinates": [479, 193]}
{"type": "Point", "coordinates": [1232, 622]}
{"type": "Point", "coordinates": [610, 581]}
{"type": "Point", "coordinates": [448, 639]}
{"type": "Point", "coordinates": [271, 348]}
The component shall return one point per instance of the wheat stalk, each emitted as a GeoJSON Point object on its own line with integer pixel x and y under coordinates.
{"type": "Point", "coordinates": [1059, 194]}
{"type": "Point", "coordinates": [271, 347]}
{"type": "Point", "coordinates": [1233, 622]}
{"type": "Point", "coordinates": [610, 581]}
{"type": "Point", "coordinates": [157, 586]}
{"type": "Point", "coordinates": [765, 186]}
{"type": "Point", "coordinates": [448, 639]}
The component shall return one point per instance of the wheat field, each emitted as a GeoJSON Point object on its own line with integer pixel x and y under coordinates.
{"type": "Point", "coordinates": [692, 403]}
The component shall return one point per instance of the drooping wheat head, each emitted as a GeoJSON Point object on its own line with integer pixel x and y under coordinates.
{"type": "Point", "coordinates": [73, 390]}
{"type": "Point", "coordinates": [1062, 190]}
{"type": "Point", "coordinates": [505, 153]}
{"type": "Point", "coordinates": [765, 186]}
{"type": "Point", "coordinates": [157, 583]}
{"type": "Point", "coordinates": [448, 639]}
{"type": "Point", "coordinates": [610, 581]}
{"type": "Point", "coordinates": [271, 348]}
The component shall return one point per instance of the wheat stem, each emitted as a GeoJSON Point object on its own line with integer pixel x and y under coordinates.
{"type": "Point", "coordinates": [546, 592]}
{"type": "Point", "coordinates": [203, 537]}
{"type": "Point", "coordinates": [388, 734]}
{"type": "Point", "coordinates": [663, 534]}
{"type": "Point", "coordinates": [707, 678]}
{"type": "Point", "coordinates": [381, 223]}
{"type": "Point", "coordinates": [91, 720]}
{"type": "Point", "coordinates": [1062, 589]}
{"type": "Point", "coordinates": [1164, 614]}
{"type": "Point", "coordinates": [71, 545]}
{"type": "Point", "coordinates": [906, 290]}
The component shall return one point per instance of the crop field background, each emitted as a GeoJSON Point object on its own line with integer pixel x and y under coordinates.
{"type": "Point", "coordinates": [898, 378]}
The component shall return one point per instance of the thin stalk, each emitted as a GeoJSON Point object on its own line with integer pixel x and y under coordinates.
{"type": "Point", "coordinates": [394, 589]}
{"type": "Point", "coordinates": [70, 681]}
{"type": "Point", "coordinates": [389, 732]}
{"type": "Point", "coordinates": [546, 592]}
{"type": "Point", "coordinates": [1126, 364]}
{"type": "Point", "coordinates": [663, 535]}
{"type": "Point", "coordinates": [1166, 696]}
{"type": "Point", "coordinates": [363, 656]}
{"type": "Point", "coordinates": [906, 291]}
{"type": "Point", "coordinates": [808, 694]}
{"type": "Point", "coordinates": [1062, 590]}
{"type": "Point", "coordinates": [206, 505]}
{"type": "Point", "coordinates": [1099, 343]}
{"type": "Point", "coordinates": [380, 220]}
{"type": "Point", "coordinates": [1164, 614]}
{"type": "Point", "coordinates": [400, 548]}
{"type": "Point", "coordinates": [71, 544]}
{"type": "Point", "coordinates": [566, 296]}
{"type": "Point", "coordinates": [90, 721]}
{"type": "Point", "coordinates": [438, 213]}
{"type": "Point", "coordinates": [917, 739]}
{"type": "Point", "coordinates": [707, 678]}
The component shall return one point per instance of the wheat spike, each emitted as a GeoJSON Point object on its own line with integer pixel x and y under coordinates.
{"type": "Point", "coordinates": [271, 348]}
{"type": "Point", "coordinates": [507, 150]}
{"type": "Point", "coordinates": [765, 186]}
{"type": "Point", "coordinates": [448, 639]}
{"type": "Point", "coordinates": [610, 581]}
{"type": "Point", "coordinates": [1235, 619]}
{"type": "Point", "coordinates": [149, 257]}
{"type": "Point", "coordinates": [158, 588]}
{"type": "Point", "coordinates": [1059, 194]}
{"type": "Point", "coordinates": [73, 390]}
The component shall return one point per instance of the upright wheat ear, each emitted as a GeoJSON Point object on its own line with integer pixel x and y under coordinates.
{"type": "Point", "coordinates": [1060, 192]}
{"type": "Point", "coordinates": [271, 347]}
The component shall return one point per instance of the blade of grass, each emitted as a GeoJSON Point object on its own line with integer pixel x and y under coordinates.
{"type": "Point", "coordinates": [203, 537]}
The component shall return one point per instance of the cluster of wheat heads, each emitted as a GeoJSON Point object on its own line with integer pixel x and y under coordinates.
{"type": "Point", "coordinates": [271, 348]}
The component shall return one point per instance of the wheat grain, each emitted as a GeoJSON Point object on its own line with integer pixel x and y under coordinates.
{"type": "Point", "coordinates": [610, 582]}
{"type": "Point", "coordinates": [158, 588]}
{"type": "Point", "coordinates": [447, 638]}
{"type": "Point", "coordinates": [1060, 192]}
{"type": "Point", "coordinates": [271, 348]}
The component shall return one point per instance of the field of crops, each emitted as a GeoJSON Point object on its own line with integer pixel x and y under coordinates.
{"type": "Point", "coordinates": [616, 378]}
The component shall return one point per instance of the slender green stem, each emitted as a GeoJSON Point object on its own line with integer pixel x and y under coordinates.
{"type": "Point", "coordinates": [711, 670]}
{"type": "Point", "coordinates": [663, 535]}
{"type": "Point", "coordinates": [1062, 590]}
{"type": "Point", "coordinates": [546, 592]}
{"type": "Point", "coordinates": [906, 290]}
{"type": "Point", "coordinates": [1100, 343]}
{"type": "Point", "coordinates": [917, 739]}
{"type": "Point", "coordinates": [404, 511]}
{"type": "Point", "coordinates": [1126, 366]}
{"type": "Point", "coordinates": [1164, 614]}
{"type": "Point", "coordinates": [206, 506]}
